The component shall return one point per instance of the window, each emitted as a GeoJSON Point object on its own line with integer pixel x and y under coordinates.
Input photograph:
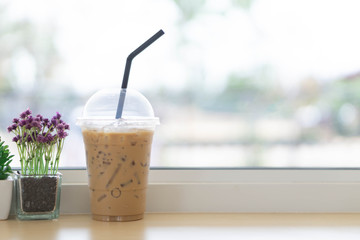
{"type": "Point", "coordinates": [236, 83]}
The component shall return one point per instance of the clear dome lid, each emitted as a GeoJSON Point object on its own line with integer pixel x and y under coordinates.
{"type": "Point", "coordinates": [101, 108]}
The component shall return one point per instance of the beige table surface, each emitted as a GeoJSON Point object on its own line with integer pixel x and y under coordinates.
{"type": "Point", "coordinates": [190, 226]}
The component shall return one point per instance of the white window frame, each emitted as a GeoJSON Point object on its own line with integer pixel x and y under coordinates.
{"type": "Point", "coordinates": [234, 190]}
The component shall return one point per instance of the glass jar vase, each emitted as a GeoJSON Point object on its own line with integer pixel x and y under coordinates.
{"type": "Point", "coordinates": [38, 196]}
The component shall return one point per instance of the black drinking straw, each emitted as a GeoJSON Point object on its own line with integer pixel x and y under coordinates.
{"type": "Point", "coordinates": [127, 70]}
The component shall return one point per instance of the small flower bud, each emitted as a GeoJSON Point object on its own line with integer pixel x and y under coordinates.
{"type": "Point", "coordinates": [28, 112]}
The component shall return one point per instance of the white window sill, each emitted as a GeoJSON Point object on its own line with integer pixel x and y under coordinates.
{"type": "Point", "coordinates": [239, 190]}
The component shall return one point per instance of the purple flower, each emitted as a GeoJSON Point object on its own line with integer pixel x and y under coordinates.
{"type": "Point", "coordinates": [60, 127]}
{"type": "Point", "coordinates": [54, 121]}
{"type": "Point", "coordinates": [49, 138]}
{"type": "Point", "coordinates": [45, 122]}
{"type": "Point", "coordinates": [36, 124]}
{"type": "Point", "coordinates": [12, 127]}
{"type": "Point", "coordinates": [22, 123]}
{"type": "Point", "coordinates": [30, 119]}
{"type": "Point", "coordinates": [28, 112]}
{"type": "Point", "coordinates": [36, 134]}
{"type": "Point", "coordinates": [23, 115]}
{"type": "Point", "coordinates": [40, 117]}
{"type": "Point", "coordinates": [62, 134]}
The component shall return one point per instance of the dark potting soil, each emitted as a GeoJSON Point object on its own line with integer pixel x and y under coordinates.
{"type": "Point", "coordinates": [38, 194]}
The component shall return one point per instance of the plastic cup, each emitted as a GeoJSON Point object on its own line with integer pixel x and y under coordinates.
{"type": "Point", "coordinates": [117, 154]}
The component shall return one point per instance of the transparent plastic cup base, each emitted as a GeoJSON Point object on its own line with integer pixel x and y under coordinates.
{"type": "Point", "coordinates": [127, 218]}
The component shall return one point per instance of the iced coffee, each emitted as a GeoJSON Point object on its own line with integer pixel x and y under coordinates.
{"type": "Point", "coordinates": [118, 164]}
{"type": "Point", "coordinates": [117, 153]}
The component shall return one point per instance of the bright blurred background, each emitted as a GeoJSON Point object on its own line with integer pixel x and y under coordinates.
{"type": "Point", "coordinates": [236, 83]}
